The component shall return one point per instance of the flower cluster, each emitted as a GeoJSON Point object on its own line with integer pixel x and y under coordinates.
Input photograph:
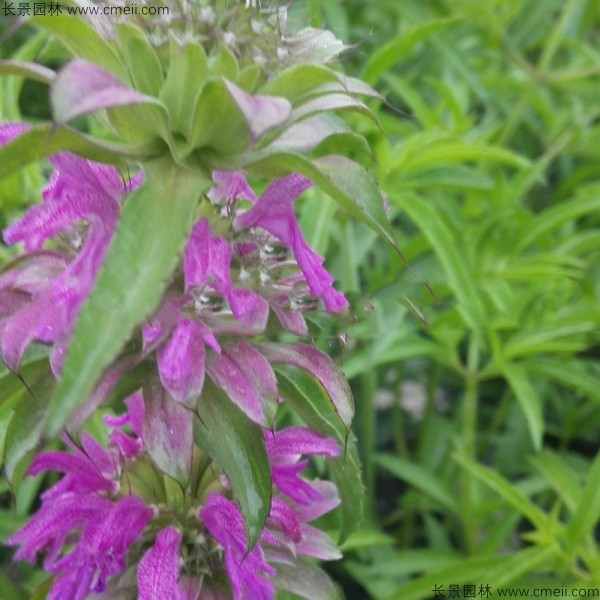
{"type": "Point", "coordinates": [180, 551]}
{"type": "Point", "coordinates": [244, 260]}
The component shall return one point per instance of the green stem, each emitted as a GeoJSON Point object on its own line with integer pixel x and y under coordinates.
{"type": "Point", "coordinates": [367, 423]}
{"type": "Point", "coordinates": [469, 428]}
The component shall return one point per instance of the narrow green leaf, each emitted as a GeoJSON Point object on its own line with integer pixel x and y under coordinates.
{"type": "Point", "coordinates": [563, 480]}
{"type": "Point", "coordinates": [450, 255]}
{"type": "Point", "coordinates": [390, 53]}
{"type": "Point", "coordinates": [237, 445]}
{"type": "Point", "coordinates": [579, 374]}
{"type": "Point", "coordinates": [150, 236]}
{"type": "Point", "coordinates": [587, 202]}
{"type": "Point", "coordinates": [82, 40]}
{"type": "Point", "coordinates": [587, 512]}
{"type": "Point", "coordinates": [27, 69]}
{"type": "Point", "coordinates": [44, 139]}
{"type": "Point", "coordinates": [501, 486]}
{"type": "Point", "coordinates": [347, 182]}
{"type": "Point", "coordinates": [528, 399]}
{"type": "Point", "coordinates": [419, 478]}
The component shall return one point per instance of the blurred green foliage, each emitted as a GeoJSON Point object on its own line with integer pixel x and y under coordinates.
{"type": "Point", "coordinates": [474, 367]}
{"type": "Point", "coordinates": [479, 429]}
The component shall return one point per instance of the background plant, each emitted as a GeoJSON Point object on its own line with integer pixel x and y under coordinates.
{"type": "Point", "coordinates": [492, 182]}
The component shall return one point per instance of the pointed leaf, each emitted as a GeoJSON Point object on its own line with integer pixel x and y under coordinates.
{"type": "Point", "coordinates": [321, 367]}
{"type": "Point", "coordinates": [513, 496]}
{"type": "Point", "coordinates": [447, 248]}
{"type": "Point", "coordinates": [27, 69]}
{"type": "Point", "coordinates": [150, 236]}
{"type": "Point", "coordinates": [261, 113]}
{"type": "Point", "coordinates": [420, 478]}
{"type": "Point", "coordinates": [237, 445]}
{"type": "Point", "coordinates": [587, 512]}
{"type": "Point", "coordinates": [167, 432]}
{"type": "Point", "coordinates": [528, 399]}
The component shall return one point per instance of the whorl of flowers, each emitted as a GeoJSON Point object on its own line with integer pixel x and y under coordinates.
{"type": "Point", "coordinates": [163, 283]}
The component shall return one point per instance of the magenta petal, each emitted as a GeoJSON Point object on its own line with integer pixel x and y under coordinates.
{"type": "Point", "coordinates": [250, 309]}
{"type": "Point", "coordinates": [260, 112]}
{"type": "Point", "coordinates": [293, 441]}
{"type": "Point", "coordinates": [284, 517]}
{"type": "Point", "coordinates": [11, 130]}
{"type": "Point", "coordinates": [49, 526]}
{"type": "Point", "coordinates": [246, 569]}
{"type": "Point", "coordinates": [319, 365]}
{"type": "Point", "coordinates": [102, 547]}
{"type": "Point", "coordinates": [206, 259]}
{"type": "Point", "coordinates": [158, 569]}
{"type": "Point", "coordinates": [167, 432]}
{"type": "Point", "coordinates": [229, 186]}
{"type": "Point", "coordinates": [248, 379]}
{"type": "Point", "coordinates": [274, 212]}
{"type": "Point", "coordinates": [181, 362]}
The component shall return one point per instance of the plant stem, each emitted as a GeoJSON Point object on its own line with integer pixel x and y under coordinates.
{"type": "Point", "coordinates": [469, 426]}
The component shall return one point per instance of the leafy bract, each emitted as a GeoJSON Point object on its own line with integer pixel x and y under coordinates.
{"type": "Point", "coordinates": [237, 445]}
{"type": "Point", "coordinates": [150, 235]}
{"type": "Point", "coordinates": [309, 399]}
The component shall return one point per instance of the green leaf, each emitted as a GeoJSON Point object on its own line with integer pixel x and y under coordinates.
{"type": "Point", "coordinates": [308, 399]}
{"type": "Point", "coordinates": [298, 81]}
{"type": "Point", "coordinates": [450, 255]}
{"type": "Point", "coordinates": [347, 182]}
{"type": "Point", "coordinates": [141, 59]}
{"type": "Point", "coordinates": [501, 486]}
{"type": "Point", "coordinates": [82, 40]}
{"type": "Point", "coordinates": [391, 52]}
{"type": "Point", "coordinates": [563, 480]}
{"type": "Point", "coordinates": [32, 365]}
{"type": "Point", "coordinates": [587, 512]}
{"type": "Point", "coordinates": [187, 70]}
{"type": "Point", "coordinates": [144, 251]}
{"type": "Point", "coordinates": [528, 399]}
{"type": "Point", "coordinates": [26, 426]}
{"type": "Point", "coordinates": [237, 445]}
{"type": "Point", "coordinates": [44, 139]}
{"type": "Point", "coordinates": [577, 373]}
{"type": "Point", "coordinates": [217, 122]}
{"type": "Point", "coordinates": [419, 478]}
{"type": "Point", "coordinates": [27, 69]}
{"type": "Point", "coordinates": [587, 202]}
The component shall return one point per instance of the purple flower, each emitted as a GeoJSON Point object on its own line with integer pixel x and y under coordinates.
{"type": "Point", "coordinates": [158, 570]}
{"type": "Point", "coordinates": [82, 204]}
{"type": "Point", "coordinates": [247, 569]}
{"type": "Point", "coordinates": [274, 213]}
{"type": "Point", "coordinates": [84, 506]}
{"type": "Point", "coordinates": [285, 449]}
